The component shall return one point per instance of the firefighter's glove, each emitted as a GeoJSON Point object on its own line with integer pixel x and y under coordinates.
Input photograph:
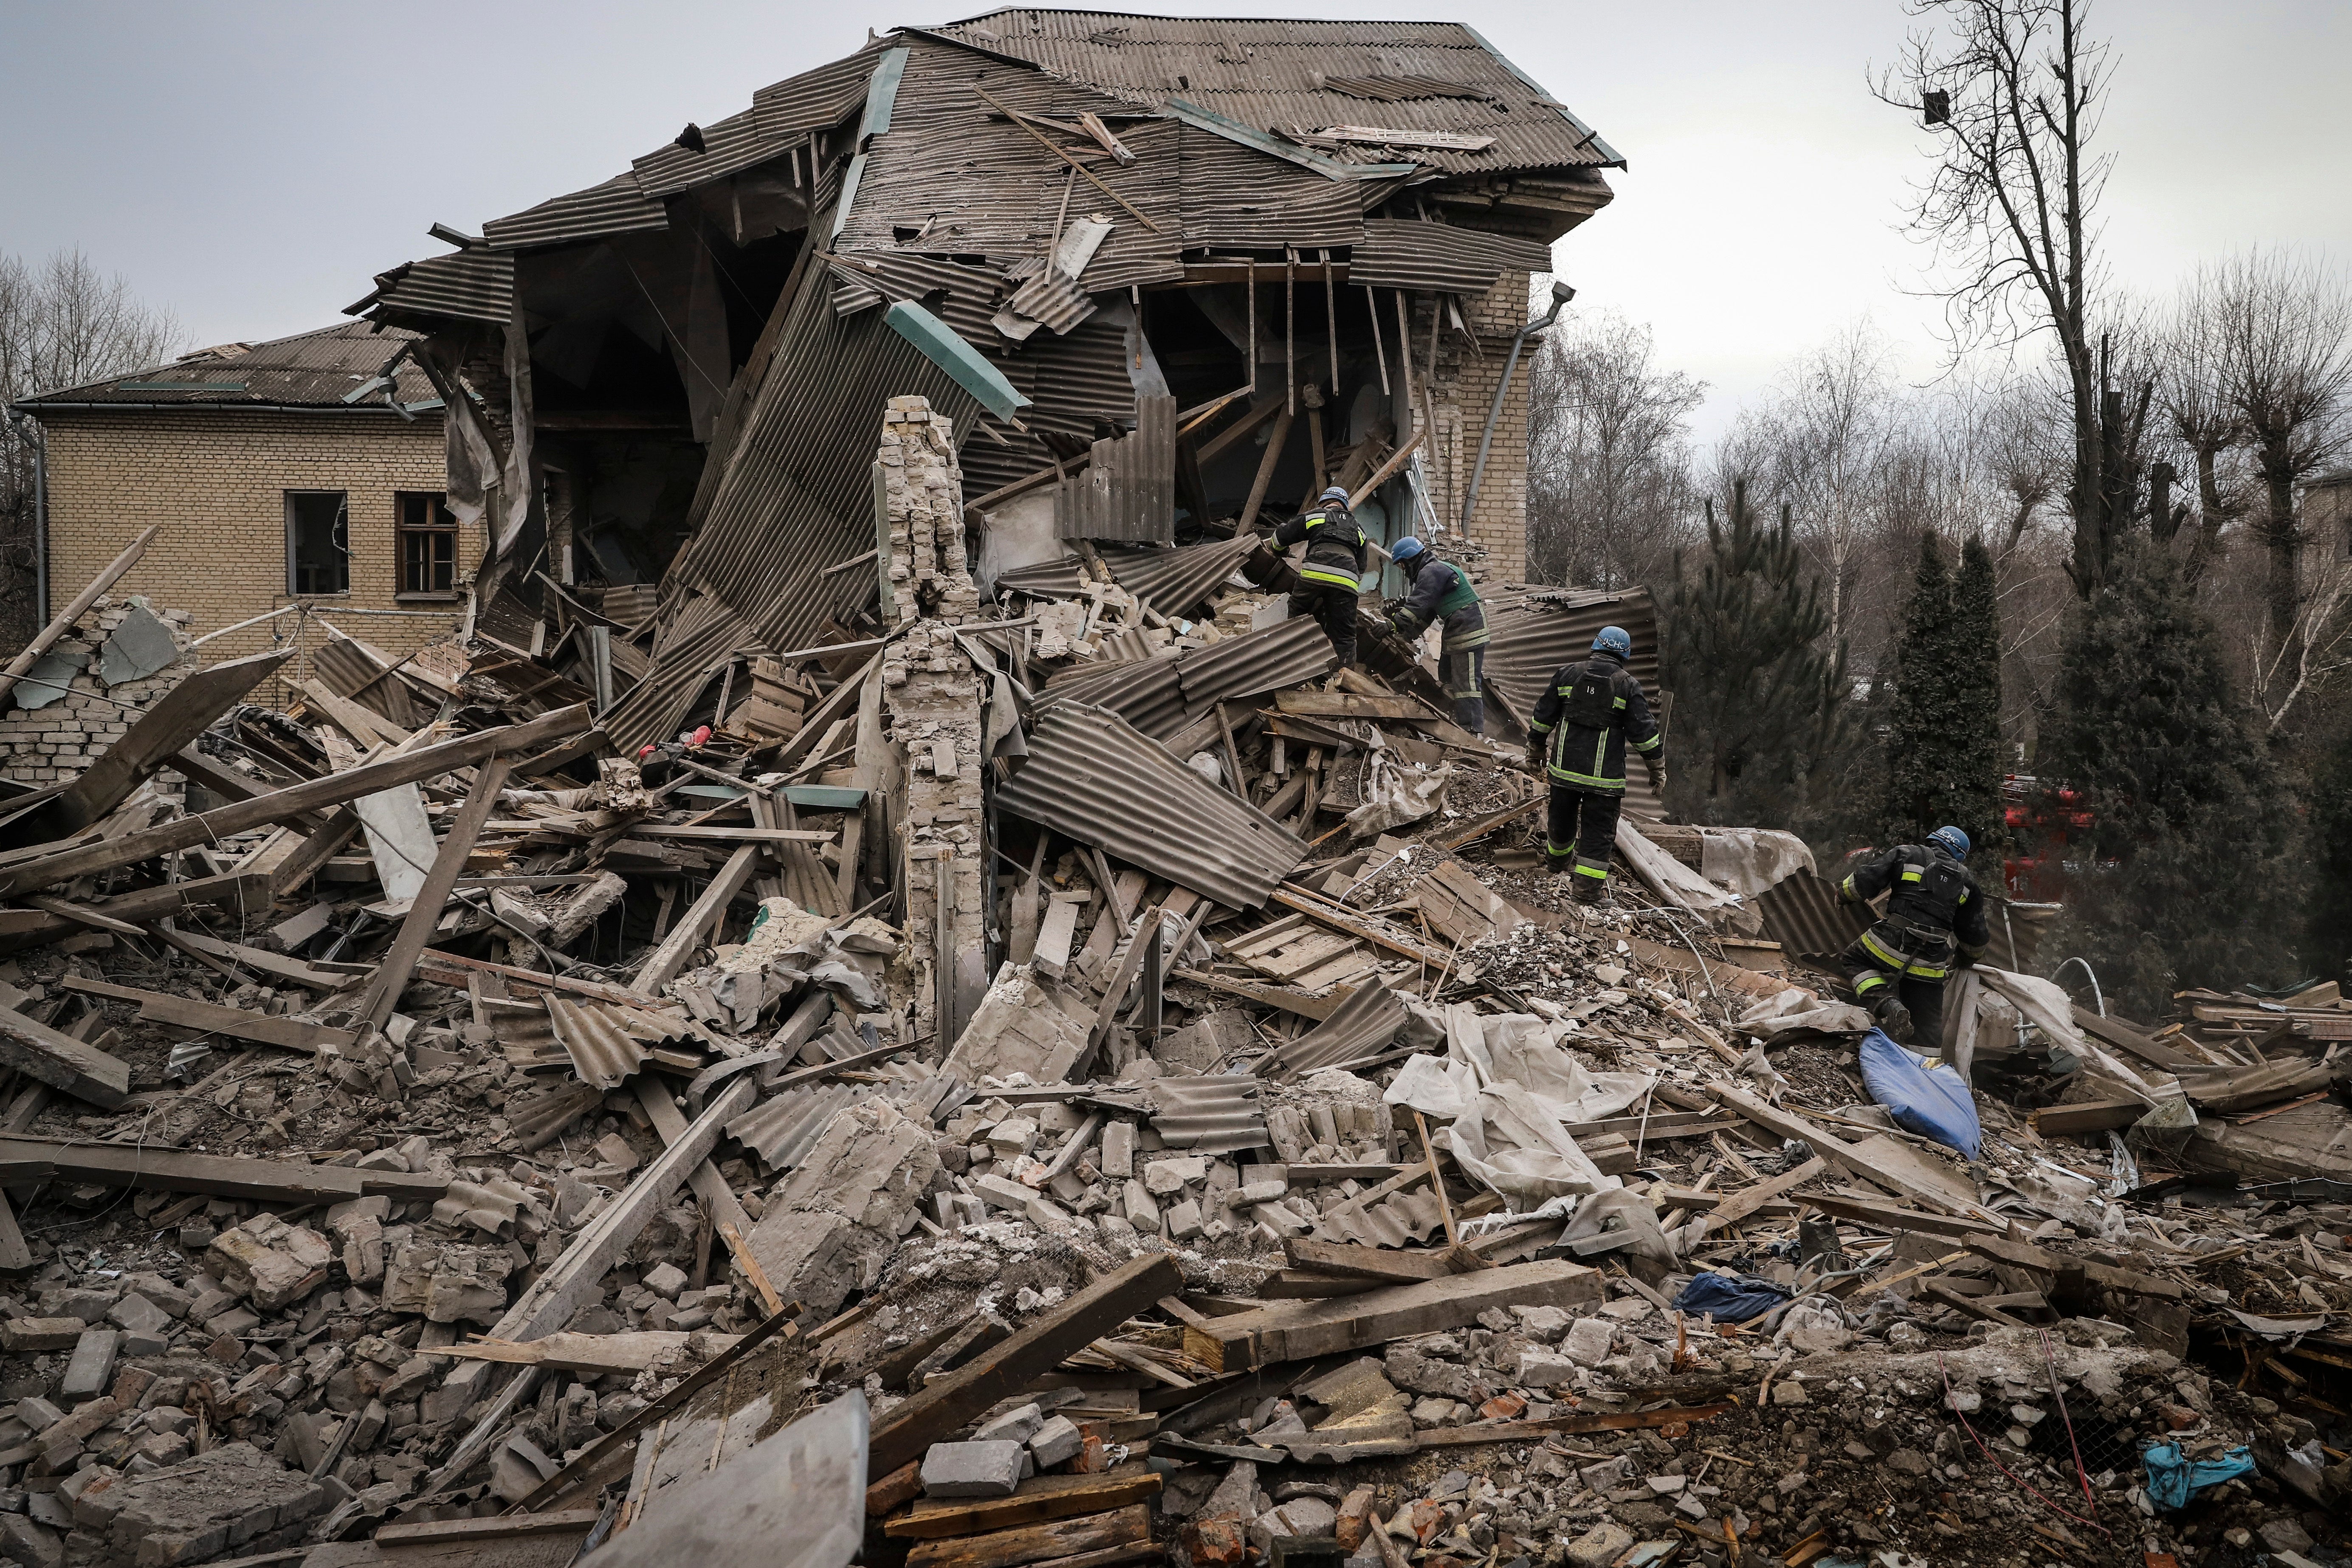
{"type": "Point", "coordinates": [1535, 753]}
{"type": "Point", "coordinates": [1657, 773]}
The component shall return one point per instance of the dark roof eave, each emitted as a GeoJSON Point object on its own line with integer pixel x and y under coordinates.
{"type": "Point", "coordinates": [36, 406]}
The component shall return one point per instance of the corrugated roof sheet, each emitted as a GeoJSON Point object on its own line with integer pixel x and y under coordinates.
{"type": "Point", "coordinates": [317, 370]}
{"type": "Point", "coordinates": [1175, 581]}
{"type": "Point", "coordinates": [619, 206]}
{"type": "Point", "coordinates": [1403, 253]}
{"type": "Point", "coordinates": [791, 109]}
{"type": "Point", "coordinates": [1273, 73]}
{"type": "Point", "coordinates": [779, 1130]}
{"type": "Point", "coordinates": [1232, 195]}
{"type": "Point", "coordinates": [1804, 914]}
{"type": "Point", "coordinates": [728, 145]}
{"type": "Point", "coordinates": [689, 650]}
{"type": "Point", "coordinates": [1128, 490]}
{"type": "Point", "coordinates": [1092, 777]}
{"type": "Point", "coordinates": [607, 1044]}
{"type": "Point", "coordinates": [1407, 1217]}
{"type": "Point", "coordinates": [1363, 1025]}
{"type": "Point", "coordinates": [1401, 89]}
{"type": "Point", "coordinates": [475, 285]}
{"type": "Point", "coordinates": [1288, 653]}
{"type": "Point", "coordinates": [796, 494]}
{"type": "Point", "coordinates": [1212, 1115]}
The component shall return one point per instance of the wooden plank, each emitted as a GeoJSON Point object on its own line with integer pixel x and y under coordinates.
{"type": "Point", "coordinates": [1739, 1206]}
{"type": "Point", "coordinates": [62, 1062]}
{"type": "Point", "coordinates": [1347, 705]}
{"type": "Point", "coordinates": [2114, 1031]}
{"type": "Point", "coordinates": [1288, 1001]}
{"type": "Point", "coordinates": [286, 1182]}
{"type": "Point", "coordinates": [239, 891]}
{"type": "Point", "coordinates": [1297, 1331]}
{"type": "Point", "coordinates": [2023, 1255]}
{"type": "Point", "coordinates": [1531, 1431]}
{"type": "Point", "coordinates": [732, 834]}
{"type": "Point", "coordinates": [228, 783]}
{"type": "Point", "coordinates": [417, 928]}
{"type": "Point", "coordinates": [1039, 1500]}
{"type": "Point", "coordinates": [364, 725]}
{"type": "Point", "coordinates": [675, 948]}
{"type": "Point", "coordinates": [16, 1258]}
{"type": "Point", "coordinates": [501, 1527]}
{"type": "Point", "coordinates": [905, 1430]}
{"type": "Point", "coordinates": [275, 964]}
{"type": "Point", "coordinates": [632, 1352]}
{"type": "Point", "coordinates": [263, 1028]}
{"type": "Point", "coordinates": [2088, 1116]}
{"type": "Point", "coordinates": [1847, 1158]}
{"type": "Point", "coordinates": [1126, 1526]}
{"type": "Point", "coordinates": [314, 795]}
{"type": "Point", "coordinates": [1888, 1217]}
{"type": "Point", "coordinates": [1378, 934]}
{"type": "Point", "coordinates": [1403, 1265]}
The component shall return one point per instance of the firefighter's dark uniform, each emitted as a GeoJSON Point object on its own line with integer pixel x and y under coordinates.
{"type": "Point", "coordinates": [1935, 922]}
{"type": "Point", "coordinates": [1442, 592]}
{"type": "Point", "coordinates": [1589, 713]}
{"type": "Point", "coordinates": [1329, 576]}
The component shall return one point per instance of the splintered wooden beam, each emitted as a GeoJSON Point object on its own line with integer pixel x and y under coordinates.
{"type": "Point", "coordinates": [904, 1431]}
{"type": "Point", "coordinates": [705, 912]}
{"type": "Point", "coordinates": [424, 910]}
{"type": "Point", "coordinates": [1099, 1540]}
{"type": "Point", "coordinates": [1374, 1263]}
{"type": "Point", "coordinates": [62, 1062]}
{"type": "Point", "coordinates": [277, 1182]}
{"type": "Point", "coordinates": [238, 891]}
{"type": "Point", "coordinates": [1743, 1204]}
{"type": "Point", "coordinates": [158, 1008]}
{"type": "Point", "coordinates": [1038, 1499]}
{"type": "Point", "coordinates": [312, 794]}
{"type": "Point", "coordinates": [1301, 1330]}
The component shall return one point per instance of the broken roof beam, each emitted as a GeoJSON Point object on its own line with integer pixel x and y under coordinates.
{"type": "Point", "coordinates": [62, 1062]}
{"type": "Point", "coordinates": [705, 912]}
{"type": "Point", "coordinates": [239, 1023]}
{"type": "Point", "coordinates": [313, 794]}
{"type": "Point", "coordinates": [284, 1183]}
{"type": "Point", "coordinates": [423, 915]}
{"type": "Point", "coordinates": [238, 891]}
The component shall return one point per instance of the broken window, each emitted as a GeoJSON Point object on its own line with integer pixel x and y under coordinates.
{"type": "Point", "coordinates": [318, 541]}
{"type": "Point", "coordinates": [428, 543]}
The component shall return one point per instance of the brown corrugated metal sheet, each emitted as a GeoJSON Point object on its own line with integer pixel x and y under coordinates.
{"type": "Point", "coordinates": [1804, 914]}
{"type": "Point", "coordinates": [1217, 1115]}
{"type": "Point", "coordinates": [1128, 490]}
{"type": "Point", "coordinates": [1274, 73]}
{"type": "Point", "coordinates": [728, 145]}
{"type": "Point", "coordinates": [619, 206]}
{"type": "Point", "coordinates": [310, 369]}
{"type": "Point", "coordinates": [689, 651]}
{"type": "Point", "coordinates": [1236, 195]}
{"type": "Point", "coordinates": [1401, 89]}
{"type": "Point", "coordinates": [1053, 299]}
{"type": "Point", "coordinates": [1145, 692]}
{"type": "Point", "coordinates": [1176, 582]}
{"type": "Point", "coordinates": [475, 285]}
{"type": "Point", "coordinates": [1090, 776]}
{"type": "Point", "coordinates": [1406, 254]}
{"type": "Point", "coordinates": [797, 494]}
{"type": "Point", "coordinates": [1365, 1023]}
{"type": "Point", "coordinates": [1289, 653]}
{"type": "Point", "coordinates": [791, 109]}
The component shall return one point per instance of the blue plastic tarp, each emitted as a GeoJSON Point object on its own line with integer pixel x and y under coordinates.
{"type": "Point", "coordinates": [1925, 1095]}
{"type": "Point", "coordinates": [2173, 1478]}
{"type": "Point", "coordinates": [1732, 1298]}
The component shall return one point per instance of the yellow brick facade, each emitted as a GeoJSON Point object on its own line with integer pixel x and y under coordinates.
{"type": "Point", "coordinates": [1461, 393]}
{"type": "Point", "coordinates": [217, 479]}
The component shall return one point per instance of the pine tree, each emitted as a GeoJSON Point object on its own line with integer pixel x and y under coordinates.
{"type": "Point", "coordinates": [1979, 764]}
{"type": "Point", "coordinates": [2181, 878]}
{"type": "Point", "coordinates": [1922, 719]}
{"type": "Point", "coordinates": [1763, 721]}
{"type": "Point", "coordinates": [2329, 950]}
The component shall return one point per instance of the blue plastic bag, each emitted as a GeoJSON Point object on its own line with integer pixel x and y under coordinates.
{"type": "Point", "coordinates": [1925, 1095]}
{"type": "Point", "coordinates": [2172, 1478]}
{"type": "Point", "coordinates": [1732, 1298]}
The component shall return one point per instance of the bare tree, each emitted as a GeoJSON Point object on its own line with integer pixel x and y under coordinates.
{"type": "Point", "coordinates": [1613, 493]}
{"type": "Point", "coordinates": [2013, 90]}
{"type": "Point", "coordinates": [2201, 417]}
{"type": "Point", "coordinates": [2285, 331]}
{"type": "Point", "coordinates": [62, 323]}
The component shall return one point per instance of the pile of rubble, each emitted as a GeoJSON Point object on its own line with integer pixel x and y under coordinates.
{"type": "Point", "coordinates": [1125, 1079]}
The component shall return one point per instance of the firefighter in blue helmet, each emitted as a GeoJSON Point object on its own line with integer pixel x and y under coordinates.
{"type": "Point", "coordinates": [1592, 710]}
{"type": "Point", "coordinates": [1935, 922]}
{"type": "Point", "coordinates": [1442, 592]}
{"type": "Point", "coordinates": [1329, 578]}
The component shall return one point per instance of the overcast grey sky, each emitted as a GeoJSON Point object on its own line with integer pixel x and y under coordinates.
{"type": "Point", "coordinates": [252, 165]}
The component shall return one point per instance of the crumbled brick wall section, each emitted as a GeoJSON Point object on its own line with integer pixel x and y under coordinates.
{"type": "Point", "coordinates": [42, 745]}
{"type": "Point", "coordinates": [217, 480]}
{"type": "Point", "coordinates": [923, 498]}
{"type": "Point", "coordinates": [1456, 400]}
{"type": "Point", "coordinates": [933, 700]}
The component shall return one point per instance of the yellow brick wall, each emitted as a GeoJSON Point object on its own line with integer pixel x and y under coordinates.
{"type": "Point", "coordinates": [217, 480]}
{"type": "Point", "coordinates": [1462, 391]}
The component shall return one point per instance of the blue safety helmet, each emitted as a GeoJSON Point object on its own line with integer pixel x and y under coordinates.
{"type": "Point", "coordinates": [1952, 841]}
{"type": "Point", "coordinates": [1406, 549]}
{"type": "Point", "coordinates": [1614, 639]}
{"type": "Point", "coordinates": [1335, 492]}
